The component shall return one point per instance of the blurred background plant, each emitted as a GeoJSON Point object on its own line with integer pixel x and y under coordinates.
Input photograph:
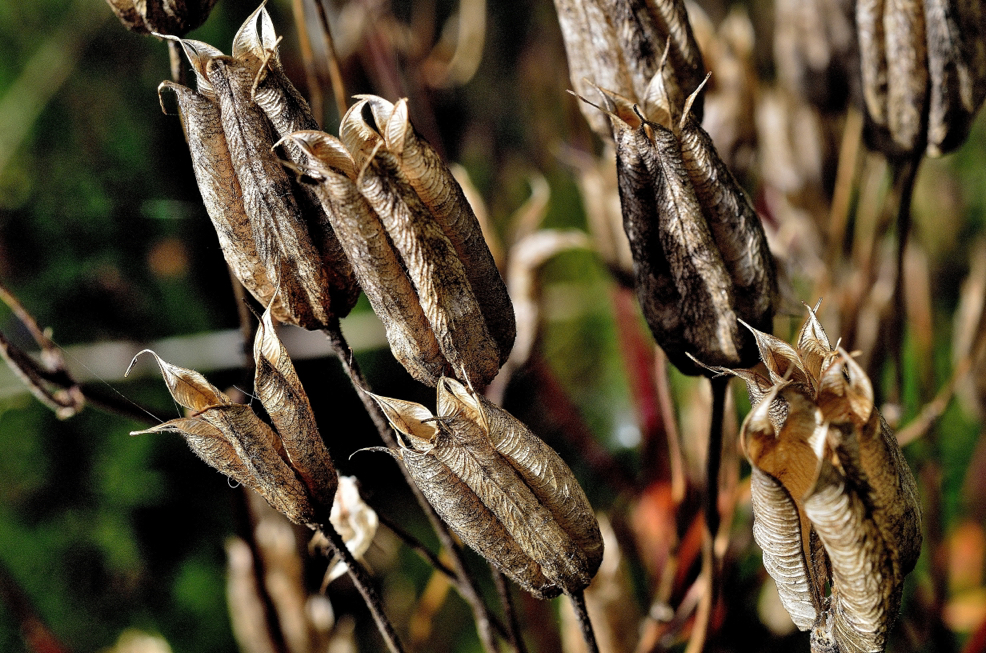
{"type": "Point", "coordinates": [104, 240]}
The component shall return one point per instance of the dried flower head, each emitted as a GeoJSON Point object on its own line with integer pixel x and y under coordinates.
{"type": "Point", "coordinates": [290, 466]}
{"type": "Point", "coordinates": [835, 504]}
{"type": "Point", "coordinates": [500, 488]}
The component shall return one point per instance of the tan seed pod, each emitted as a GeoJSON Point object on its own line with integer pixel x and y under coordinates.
{"type": "Point", "coordinates": [221, 192]}
{"type": "Point", "coordinates": [281, 236]}
{"type": "Point", "coordinates": [280, 391]}
{"type": "Point", "coordinates": [232, 439]}
{"type": "Point", "coordinates": [873, 58]}
{"type": "Point", "coordinates": [432, 180]}
{"type": "Point", "coordinates": [454, 501]}
{"type": "Point", "coordinates": [377, 266]}
{"type": "Point", "coordinates": [537, 464]}
{"type": "Point", "coordinates": [907, 72]}
{"type": "Point", "coordinates": [288, 112]}
{"type": "Point", "coordinates": [433, 267]}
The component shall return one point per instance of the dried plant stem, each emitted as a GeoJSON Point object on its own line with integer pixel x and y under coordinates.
{"type": "Point", "coordinates": [904, 174]}
{"type": "Point", "coordinates": [585, 625]}
{"type": "Point", "coordinates": [335, 74]}
{"type": "Point", "coordinates": [852, 138]}
{"type": "Point", "coordinates": [467, 586]}
{"type": "Point", "coordinates": [364, 584]}
{"type": "Point", "coordinates": [679, 483]}
{"type": "Point", "coordinates": [703, 615]}
{"type": "Point", "coordinates": [415, 545]}
{"type": "Point", "coordinates": [305, 45]}
{"type": "Point", "coordinates": [514, 635]}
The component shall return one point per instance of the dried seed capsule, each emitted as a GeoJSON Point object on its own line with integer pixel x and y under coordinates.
{"type": "Point", "coordinates": [377, 266]}
{"type": "Point", "coordinates": [232, 439]}
{"type": "Point", "coordinates": [550, 524]}
{"type": "Point", "coordinates": [440, 192]}
{"type": "Point", "coordinates": [835, 504]}
{"type": "Point", "coordinates": [457, 505]}
{"type": "Point", "coordinates": [907, 72]}
{"type": "Point", "coordinates": [280, 233]}
{"type": "Point", "coordinates": [433, 267]}
{"type": "Point", "coordinates": [175, 17]}
{"type": "Point", "coordinates": [288, 112]}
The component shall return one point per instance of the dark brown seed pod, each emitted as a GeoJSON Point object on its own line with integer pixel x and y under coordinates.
{"type": "Point", "coordinates": [454, 501]}
{"type": "Point", "coordinates": [437, 273]}
{"type": "Point", "coordinates": [281, 236]}
{"type": "Point", "coordinates": [177, 17]}
{"type": "Point", "coordinates": [907, 72]}
{"type": "Point", "coordinates": [377, 266]}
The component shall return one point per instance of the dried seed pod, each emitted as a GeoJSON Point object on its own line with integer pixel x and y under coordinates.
{"type": "Point", "coordinates": [433, 182]}
{"type": "Point", "coordinates": [457, 505]}
{"type": "Point", "coordinates": [504, 478]}
{"type": "Point", "coordinates": [232, 439]}
{"type": "Point", "coordinates": [175, 17]}
{"type": "Point", "coordinates": [288, 112]}
{"type": "Point", "coordinates": [438, 275]}
{"type": "Point", "coordinates": [618, 45]}
{"type": "Point", "coordinates": [907, 72]}
{"type": "Point", "coordinates": [835, 505]}
{"type": "Point", "coordinates": [377, 266]}
{"type": "Point", "coordinates": [290, 466]}
{"type": "Point", "coordinates": [283, 243]}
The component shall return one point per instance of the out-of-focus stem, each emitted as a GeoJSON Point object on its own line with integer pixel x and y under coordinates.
{"type": "Point", "coordinates": [364, 584]}
{"type": "Point", "coordinates": [335, 74]}
{"type": "Point", "coordinates": [305, 45]}
{"type": "Point", "coordinates": [585, 625]}
{"type": "Point", "coordinates": [514, 635]}
{"type": "Point", "coordinates": [467, 587]}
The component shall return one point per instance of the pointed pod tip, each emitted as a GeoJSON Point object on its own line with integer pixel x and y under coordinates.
{"type": "Point", "coordinates": [136, 356]}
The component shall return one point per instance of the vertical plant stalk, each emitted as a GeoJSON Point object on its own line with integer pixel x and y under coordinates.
{"type": "Point", "coordinates": [585, 624]}
{"type": "Point", "coordinates": [514, 633]}
{"type": "Point", "coordinates": [332, 59]}
{"type": "Point", "coordinates": [311, 75]}
{"type": "Point", "coordinates": [364, 584]}
{"type": "Point", "coordinates": [467, 587]}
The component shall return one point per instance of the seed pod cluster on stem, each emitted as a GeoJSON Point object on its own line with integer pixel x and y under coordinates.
{"type": "Point", "coordinates": [415, 243]}
{"type": "Point", "coordinates": [700, 255]}
{"type": "Point", "coordinates": [500, 488]}
{"type": "Point", "coordinates": [923, 65]}
{"type": "Point", "coordinates": [835, 505]}
{"type": "Point", "coordinates": [288, 464]}
{"type": "Point", "coordinates": [274, 234]}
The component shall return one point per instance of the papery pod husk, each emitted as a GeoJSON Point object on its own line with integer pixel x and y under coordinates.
{"type": "Point", "coordinates": [865, 590]}
{"type": "Point", "coordinates": [177, 17]}
{"type": "Point", "coordinates": [907, 72]}
{"type": "Point", "coordinates": [289, 112]}
{"type": "Point", "coordinates": [221, 193]}
{"type": "Point", "coordinates": [377, 266]}
{"type": "Point", "coordinates": [681, 280]}
{"type": "Point", "coordinates": [438, 189]}
{"type": "Point", "coordinates": [540, 467]}
{"type": "Point", "coordinates": [455, 502]}
{"type": "Point", "coordinates": [284, 398]}
{"type": "Point", "coordinates": [433, 267]}
{"type": "Point", "coordinates": [232, 439]}
{"type": "Point", "coordinates": [279, 231]}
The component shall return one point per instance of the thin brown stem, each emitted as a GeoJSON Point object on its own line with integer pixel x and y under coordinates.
{"type": "Point", "coordinates": [415, 545]}
{"type": "Point", "coordinates": [585, 624]}
{"type": "Point", "coordinates": [703, 615]}
{"type": "Point", "coordinates": [364, 584]}
{"type": "Point", "coordinates": [308, 57]}
{"type": "Point", "coordinates": [514, 635]}
{"type": "Point", "coordinates": [467, 587]}
{"type": "Point", "coordinates": [335, 74]}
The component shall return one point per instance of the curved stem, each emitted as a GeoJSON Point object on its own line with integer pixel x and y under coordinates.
{"type": "Point", "coordinates": [585, 625]}
{"type": "Point", "coordinates": [514, 634]}
{"type": "Point", "coordinates": [467, 587]}
{"type": "Point", "coordinates": [364, 584]}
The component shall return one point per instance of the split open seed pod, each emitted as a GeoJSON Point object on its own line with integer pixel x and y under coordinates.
{"type": "Point", "coordinates": [501, 489]}
{"type": "Point", "coordinates": [288, 464]}
{"type": "Point", "coordinates": [835, 505]}
{"type": "Point", "coordinates": [701, 260]}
